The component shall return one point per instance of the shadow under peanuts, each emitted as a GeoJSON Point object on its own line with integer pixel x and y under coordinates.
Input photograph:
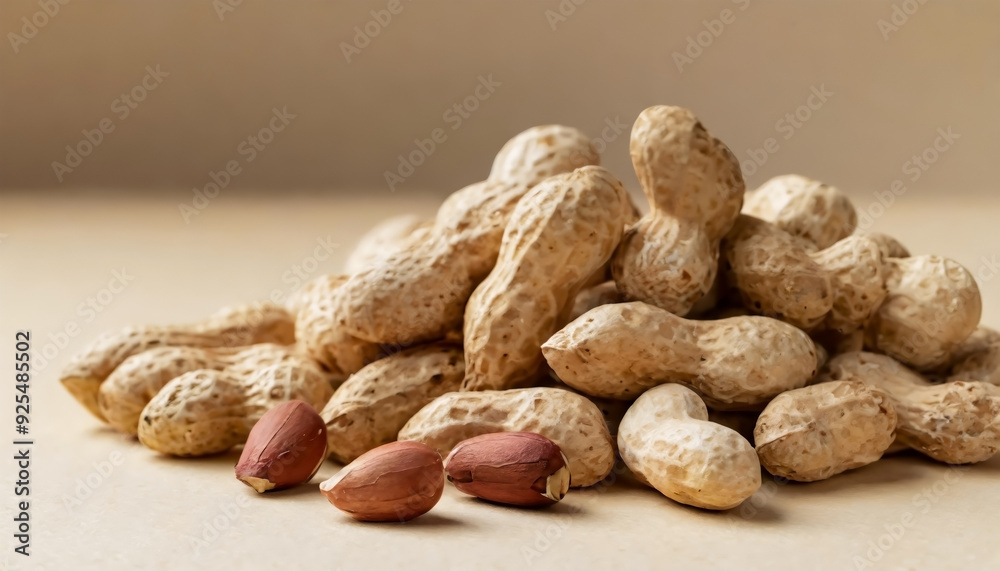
{"type": "Point", "coordinates": [227, 459]}
{"type": "Point", "coordinates": [991, 466]}
{"type": "Point", "coordinates": [889, 471]}
{"type": "Point", "coordinates": [760, 508]}
{"type": "Point", "coordinates": [429, 520]}
{"type": "Point", "coordinates": [106, 433]}
{"type": "Point", "coordinates": [310, 488]}
{"type": "Point", "coordinates": [561, 508]}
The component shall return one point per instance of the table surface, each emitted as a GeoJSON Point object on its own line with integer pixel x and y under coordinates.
{"type": "Point", "coordinates": [102, 501]}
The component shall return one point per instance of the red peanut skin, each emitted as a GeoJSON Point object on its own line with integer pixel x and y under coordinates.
{"type": "Point", "coordinates": [505, 467]}
{"type": "Point", "coordinates": [394, 482]}
{"type": "Point", "coordinates": [294, 453]}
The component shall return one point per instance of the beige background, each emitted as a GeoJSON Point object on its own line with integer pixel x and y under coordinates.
{"type": "Point", "coordinates": [607, 60]}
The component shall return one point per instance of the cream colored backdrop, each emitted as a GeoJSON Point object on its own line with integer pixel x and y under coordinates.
{"type": "Point", "coordinates": [366, 80]}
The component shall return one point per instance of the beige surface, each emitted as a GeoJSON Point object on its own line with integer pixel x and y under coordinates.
{"type": "Point", "coordinates": [146, 513]}
{"type": "Point", "coordinates": [890, 90]}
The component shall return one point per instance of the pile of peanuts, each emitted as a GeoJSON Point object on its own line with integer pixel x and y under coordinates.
{"type": "Point", "coordinates": [539, 327]}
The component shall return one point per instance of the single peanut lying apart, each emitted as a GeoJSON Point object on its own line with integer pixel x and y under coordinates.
{"type": "Point", "coordinates": [956, 422]}
{"type": "Point", "coordinates": [562, 232]}
{"type": "Point", "coordinates": [570, 420]}
{"type": "Point", "coordinates": [370, 408]}
{"type": "Point", "coordinates": [668, 442]}
{"type": "Point", "coordinates": [285, 448]}
{"type": "Point", "coordinates": [394, 482]}
{"type": "Point", "coordinates": [230, 327]}
{"type": "Point", "coordinates": [621, 350]}
{"type": "Point", "coordinates": [206, 411]}
{"type": "Point", "coordinates": [812, 433]}
{"type": "Point", "coordinates": [693, 183]}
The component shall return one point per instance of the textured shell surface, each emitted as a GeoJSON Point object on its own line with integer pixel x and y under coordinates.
{"type": "Point", "coordinates": [621, 350]}
{"type": "Point", "coordinates": [560, 234]}
{"type": "Point", "coordinates": [956, 422]}
{"type": "Point", "coordinates": [804, 207]}
{"type": "Point", "coordinates": [667, 440]}
{"type": "Point", "coordinates": [815, 432]}
{"type": "Point", "coordinates": [932, 305]}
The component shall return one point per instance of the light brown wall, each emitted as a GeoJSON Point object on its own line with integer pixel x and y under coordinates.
{"type": "Point", "coordinates": [604, 63]}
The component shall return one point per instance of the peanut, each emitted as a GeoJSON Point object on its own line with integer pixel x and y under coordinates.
{"type": "Point", "coordinates": [516, 468]}
{"type": "Point", "coordinates": [394, 482]}
{"type": "Point", "coordinates": [805, 208]}
{"type": "Point", "coordinates": [229, 327]}
{"type": "Point", "coordinates": [742, 421]}
{"type": "Point", "coordinates": [206, 411]}
{"type": "Point", "coordinates": [370, 408]}
{"type": "Point", "coordinates": [889, 246]}
{"type": "Point", "coordinates": [420, 293]}
{"type": "Point", "coordinates": [562, 231]}
{"type": "Point", "coordinates": [815, 432]}
{"type": "Point", "coordinates": [695, 189]}
{"type": "Point", "coordinates": [621, 350]}
{"type": "Point", "coordinates": [130, 387]}
{"type": "Point", "coordinates": [956, 422]}
{"type": "Point", "coordinates": [933, 305]}
{"type": "Point", "coordinates": [285, 448]}
{"type": "Point", "coordinates": [570, 420]}
{"type": "Point", "coordinates": [668, 442]}
{"type": "Point", "coordinates": [601, 294]}
{"type": "Point", "coordinates": [783, 276]}
{"type": "Point", "coordinates": [323, 337]}
{"type": "Point", "coordinates": [977, 358]}
{"type": "Point", "coordinates": [384, 239]}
